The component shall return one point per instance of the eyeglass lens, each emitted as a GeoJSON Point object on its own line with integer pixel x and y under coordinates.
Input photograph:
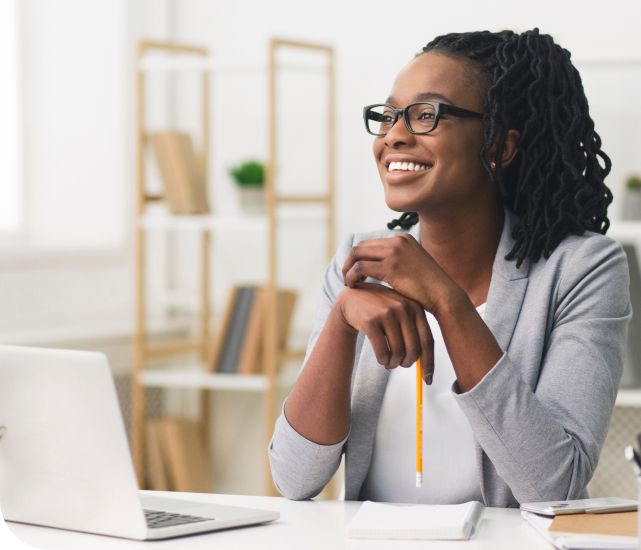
{"type": "Point", "coordinates": [421, 118]}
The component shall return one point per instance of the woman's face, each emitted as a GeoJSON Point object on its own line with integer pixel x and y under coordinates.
{"type": "Point", "coordinates": [451, 174]}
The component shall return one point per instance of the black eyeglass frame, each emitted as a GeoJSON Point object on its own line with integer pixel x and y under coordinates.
{"type": "Point", "coordinates": [439, 110]}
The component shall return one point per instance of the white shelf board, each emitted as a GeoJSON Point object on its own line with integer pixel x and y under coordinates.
{"type": "Point", "coordinates": [629, 398]}
{"type": "Point", "coordinates": [184, 63]}
{"type": "Point", "coordinates": [194, 222]}
{"type": "Point", "coordinates": [239, 222]}
{"type": "Point", "coordinates": [193, 378]}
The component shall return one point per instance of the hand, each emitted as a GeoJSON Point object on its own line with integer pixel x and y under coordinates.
{"type": "Point", "coordinates": [402, 263]}
{"type": "Point", "coordinates": [396, 326]}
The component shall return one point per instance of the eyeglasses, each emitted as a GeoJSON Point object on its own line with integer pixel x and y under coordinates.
{"type": "Point", "coordinates": [420, 118]}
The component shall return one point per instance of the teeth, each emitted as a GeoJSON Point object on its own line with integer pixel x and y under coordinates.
{"type": "Point", "coordinates": [407, 166]}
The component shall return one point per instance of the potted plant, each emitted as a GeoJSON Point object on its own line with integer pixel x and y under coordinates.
{"type": "Point", "coordinates": [250, 178]}
{"type": "Point", "coordinates": [632, 199]}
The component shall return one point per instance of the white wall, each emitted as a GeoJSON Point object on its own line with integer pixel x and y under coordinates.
{"type": "Point", "coordinates": [71, 275]}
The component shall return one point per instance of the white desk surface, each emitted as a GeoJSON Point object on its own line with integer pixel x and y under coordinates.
{"type": "Point", "coordinates": [302, 525]}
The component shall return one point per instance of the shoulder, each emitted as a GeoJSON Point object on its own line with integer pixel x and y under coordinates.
{"type": "Point", "coordinates": [589, 268]}
{"type": "Point", "coordinates": [355, 238]}
{"type": "Point", "coordinates": [579, 255]}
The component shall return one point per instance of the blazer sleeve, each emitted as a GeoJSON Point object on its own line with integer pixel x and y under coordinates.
{"type": "Point", "coordinates": [301, 468]}
{"type": "Point", "coordinates": [544, 442]}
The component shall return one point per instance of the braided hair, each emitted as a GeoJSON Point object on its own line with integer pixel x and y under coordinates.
{"type": "Point", "coordinates": [555, 184]}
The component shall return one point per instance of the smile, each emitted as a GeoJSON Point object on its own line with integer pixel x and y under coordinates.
{"type": "Point", "coordinates": [407, 167]}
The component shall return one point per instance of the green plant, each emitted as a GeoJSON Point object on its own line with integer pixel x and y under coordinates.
{"type": "Point", "coordinates": [249, 174]}
{"type": "Point", "coordinates": [633, 183]}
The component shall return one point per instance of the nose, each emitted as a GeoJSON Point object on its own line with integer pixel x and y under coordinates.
{"type": "Point", "coordinates": [398, 134]}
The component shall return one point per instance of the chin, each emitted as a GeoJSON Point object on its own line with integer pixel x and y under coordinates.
{"type": "Point", "coordinates": [400, 204]}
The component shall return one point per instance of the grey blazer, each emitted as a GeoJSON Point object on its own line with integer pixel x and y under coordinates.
{"type": "Point", "coordinates": [541, 414]}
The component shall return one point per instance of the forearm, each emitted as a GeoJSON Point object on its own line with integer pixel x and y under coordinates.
{"type": "Point", "coordinates": [539, 454]}
{"type": "Point", "coordinates": [470, 344]}
{"type": "Point", "coordinates": [318, 407]}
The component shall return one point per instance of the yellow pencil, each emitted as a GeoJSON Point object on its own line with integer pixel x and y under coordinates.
{"type": "Point", "coordinates": [419, 423]}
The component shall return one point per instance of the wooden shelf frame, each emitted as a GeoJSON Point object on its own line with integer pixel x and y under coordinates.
{"type": "Point", "coordinates": [267, 383]}
{"type": "Point", "coordinates": [143, 351]}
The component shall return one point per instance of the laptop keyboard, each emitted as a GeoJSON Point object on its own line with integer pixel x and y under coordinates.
{"type": "Point", "coordinates": [156, 519]}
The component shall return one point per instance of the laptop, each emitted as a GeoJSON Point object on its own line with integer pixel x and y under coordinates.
{"type": "Point", "coordinates": [65, 460]}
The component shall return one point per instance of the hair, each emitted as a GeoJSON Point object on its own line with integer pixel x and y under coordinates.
{"type": "Point", "coordinates": [555, 183]}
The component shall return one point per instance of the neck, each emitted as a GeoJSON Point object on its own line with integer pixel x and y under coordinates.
{"type": "Point", "coordinates": [464, 244]}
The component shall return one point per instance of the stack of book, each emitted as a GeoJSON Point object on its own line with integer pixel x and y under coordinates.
{"type": "Point", "coordinates": [595, 523]}
{"type": "Point", "coordinates": [238, 347]}
{"type": "Point", "coordinates": [178, 459]}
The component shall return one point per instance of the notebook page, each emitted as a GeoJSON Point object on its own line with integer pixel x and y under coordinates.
{"type": "Point", "coordinates": [376, 520]}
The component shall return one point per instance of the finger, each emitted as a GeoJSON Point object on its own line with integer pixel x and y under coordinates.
{"type": "Point", "coordinates": [378, 342]}
{"type": "Point", "coordinates": [410, 333]}
{"type": "Point", "coordinates": [365, 250]}
{"type": "Point", "coordinates": [362, 269]}
{"type": "Point", "coordinates": [394, 335]}
{"type": "Point", "coordinates": [427, 347]}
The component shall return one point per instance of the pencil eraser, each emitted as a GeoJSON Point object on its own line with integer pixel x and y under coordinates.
{"type": "Point", "coordinates": [419, 479]}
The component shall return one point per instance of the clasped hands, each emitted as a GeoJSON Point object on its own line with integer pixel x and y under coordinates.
{"type": "Point", "coordinates": [393, 319]}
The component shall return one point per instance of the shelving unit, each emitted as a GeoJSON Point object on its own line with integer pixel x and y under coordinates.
{"type": "Point", "coordinates": [189, 58]}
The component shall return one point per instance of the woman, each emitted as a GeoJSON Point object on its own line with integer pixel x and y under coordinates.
{"type": "Point", "coordinates": [506, 288]}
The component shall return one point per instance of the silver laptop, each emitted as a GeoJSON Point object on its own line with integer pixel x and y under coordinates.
{"type": "Point", "coordinates": [64, 455]}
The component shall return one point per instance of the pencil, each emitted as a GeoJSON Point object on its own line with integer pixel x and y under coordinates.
{"type": "Point", "coordinates": [419, 423]}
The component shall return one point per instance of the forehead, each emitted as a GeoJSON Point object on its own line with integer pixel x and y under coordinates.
{"type": "Point", "coordinates": [441, 78]}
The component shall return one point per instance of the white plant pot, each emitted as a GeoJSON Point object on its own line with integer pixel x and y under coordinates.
{"type": "Point", "coordinates": [631, 205]}
{"type": "Point", "coordinates": [252, 200]}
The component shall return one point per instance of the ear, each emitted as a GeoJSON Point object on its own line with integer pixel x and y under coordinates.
{"type": "Point", "coordinates": [510, 149]}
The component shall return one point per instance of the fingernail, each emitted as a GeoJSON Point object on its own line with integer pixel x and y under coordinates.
{"type": "Point", "coordinates": [428, 379]}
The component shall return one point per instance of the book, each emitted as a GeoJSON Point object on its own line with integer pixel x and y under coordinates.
{"type": "Point", "coordinates": [156, 469]}
{"type": "Point", "coordinates": [617, 530]}
{"type": "Point", "coordinates": [251, 358]}
{"type": "Point", "coordinates": [376, 520]}
{"type": "Point", "coordinates": [184, 452]}
{"type": "Point", "coordinates": [249, 361]}
{"type": "Point", "coordinates": [235, 329]}
{"type": "Point", "coordinates": [180, 170]}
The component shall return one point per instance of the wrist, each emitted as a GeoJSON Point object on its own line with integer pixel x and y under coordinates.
{"type": "Point", "coordinates": [452, 301]}
{"type": "Point", "coordinates": [338, 319]}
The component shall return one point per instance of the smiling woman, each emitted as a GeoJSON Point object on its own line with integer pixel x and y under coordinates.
{"type": "Point", "coordinates": [500, 280]}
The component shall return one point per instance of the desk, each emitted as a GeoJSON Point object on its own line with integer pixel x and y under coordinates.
{"type": "Point", "coordinates": [302, 525]}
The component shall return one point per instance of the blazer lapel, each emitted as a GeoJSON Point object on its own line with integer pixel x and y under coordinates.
{"type": "Point", "coordinates": [369, 385]}
{"type": "Point", "coordinates": [507, 289]}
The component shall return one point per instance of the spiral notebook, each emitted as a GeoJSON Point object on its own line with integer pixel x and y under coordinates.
{"type": "Point", "coordinates": [376, 520]}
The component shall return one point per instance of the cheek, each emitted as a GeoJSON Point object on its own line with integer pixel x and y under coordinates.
{"type": "Point", "coordinates": [377, 149]}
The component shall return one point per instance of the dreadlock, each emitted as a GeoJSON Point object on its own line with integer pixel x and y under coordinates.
{"type": "Point", "coordinates": [555, 184]}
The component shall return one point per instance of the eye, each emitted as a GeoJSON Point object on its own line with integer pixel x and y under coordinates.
{"type": "Point", "coordinates": [426, 114]}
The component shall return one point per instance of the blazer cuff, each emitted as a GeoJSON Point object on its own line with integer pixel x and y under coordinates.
{"type": "Point", "coordinates": [300, 467]}
{"type": "Point", "coordinates": [299, 443]}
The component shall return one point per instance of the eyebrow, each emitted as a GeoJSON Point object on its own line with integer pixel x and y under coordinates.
{"type": "Point", "coordinates": [425, 96]}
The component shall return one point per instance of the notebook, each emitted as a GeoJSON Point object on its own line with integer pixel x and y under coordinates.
{"type": "Point", "coordinates": [587, 531]}
{"type": "Point", "coordinates": [375, 520]}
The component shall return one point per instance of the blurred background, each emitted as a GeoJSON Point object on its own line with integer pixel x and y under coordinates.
{"type": "Point", "coordinates": [110, 109]}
